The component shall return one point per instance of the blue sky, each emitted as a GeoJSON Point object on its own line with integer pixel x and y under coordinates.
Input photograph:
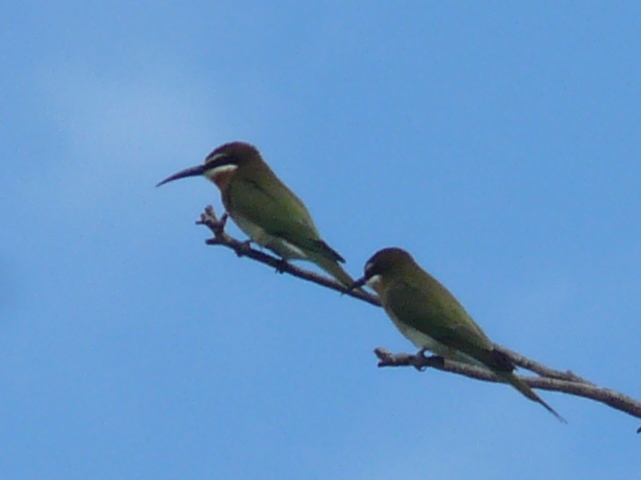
{"type": "Point", "coordinates": [498, 142]}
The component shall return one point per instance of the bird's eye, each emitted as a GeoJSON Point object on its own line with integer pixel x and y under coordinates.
{"type": "Point", "coordinates": [369, 268]}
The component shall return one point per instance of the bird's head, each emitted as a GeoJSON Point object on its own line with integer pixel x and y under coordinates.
{"type": "Point", "coordinates": [221, 164]}
{"type": "Point", "coordinates": [383, 266]}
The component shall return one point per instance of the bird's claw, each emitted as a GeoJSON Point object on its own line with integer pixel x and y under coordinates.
{"type": "Point", "coordinates": [420, 361]}
{"type": "Point", "coordinates": [282, 266]}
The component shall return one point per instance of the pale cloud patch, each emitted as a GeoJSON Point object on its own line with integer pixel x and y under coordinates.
{"type": "Point", "coordinates": [116, 129]}
{"type": "Point", "coordinates": [144, 110]}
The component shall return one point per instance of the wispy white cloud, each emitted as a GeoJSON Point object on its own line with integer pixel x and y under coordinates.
{"type": "Point", "coordinates": [147, 110]}
{"type": "Point", "coordinates": [116, 128]}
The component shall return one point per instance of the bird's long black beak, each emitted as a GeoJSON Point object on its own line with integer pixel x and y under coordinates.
{"type": "Point", "coordinates": [188, 172]}
{"type": "Point", "coordinates": [357, 284]}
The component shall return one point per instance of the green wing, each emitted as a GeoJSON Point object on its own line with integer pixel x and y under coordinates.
{"type": "Point", "coordinates": [430, 308]}
{"type": "Point", "coordinates": [277, 210]}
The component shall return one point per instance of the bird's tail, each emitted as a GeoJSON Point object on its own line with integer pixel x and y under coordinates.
{"type": "Point", "coordinates": [334, 269]}
{"type": "Point", "coordinates": [525, 389]}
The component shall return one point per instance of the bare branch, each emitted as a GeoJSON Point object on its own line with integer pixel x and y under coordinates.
{"type": "Point", "coordinates": [579, 388]}
{"type": "Point", "coordinates": [546, 379]}
{"type": "Point", "coordinates": [538, 368]}
{"type": "Point", "coordinates": [244, 249]}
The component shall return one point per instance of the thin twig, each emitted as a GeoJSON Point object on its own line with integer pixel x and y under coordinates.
{"type": "Point", "coordinates": [538, 368]}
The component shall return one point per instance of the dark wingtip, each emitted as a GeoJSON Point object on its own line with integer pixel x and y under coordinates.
{"type": "Point", "coordinates": [500, 361]}
{"type": "Point", "coordinates": [330, 251]}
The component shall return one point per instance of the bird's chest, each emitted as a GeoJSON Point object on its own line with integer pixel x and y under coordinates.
{"type": "Point", "coordinates": [422, 340]}
{"type": "Point", "coordinates": [255, 232]}
{"type": "Point", "coordinates": [418, 338]}
{"type": "Point", "coordinates": [276, 244]}
{"type": "Point", "coordinates": [222, 176]}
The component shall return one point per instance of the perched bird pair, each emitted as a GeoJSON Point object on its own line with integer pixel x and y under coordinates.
{"type": "Point", "coordinates": [421, 308]}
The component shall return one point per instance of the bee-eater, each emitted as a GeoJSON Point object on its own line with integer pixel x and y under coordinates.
{"type": "Point", "coordinates": [432, 319]}
{"type": "Point", "coordinates": [264, 208]}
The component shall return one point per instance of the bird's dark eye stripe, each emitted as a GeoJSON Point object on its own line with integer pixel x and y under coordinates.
{"type": "Point", "coordinates": [218, 160]}
{"type": "Point", "coordinates": [371, 269]}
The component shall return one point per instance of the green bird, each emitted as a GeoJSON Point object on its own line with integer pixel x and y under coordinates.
{"type": "Point", "coordinates": [432, 319]}
{"type": "Point", "coordinates": [264, 208]}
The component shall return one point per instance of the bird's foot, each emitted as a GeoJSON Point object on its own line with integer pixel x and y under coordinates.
{"type": "Point", "coordinates": [420, 361]}
{"type": "Point", "coordinates": [282, 266]}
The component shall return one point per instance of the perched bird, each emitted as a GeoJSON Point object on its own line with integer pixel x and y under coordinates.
{"type": "Point", "coordinates": [264, 208]}
{"type": "Point", "coordinates": [432, 319]}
